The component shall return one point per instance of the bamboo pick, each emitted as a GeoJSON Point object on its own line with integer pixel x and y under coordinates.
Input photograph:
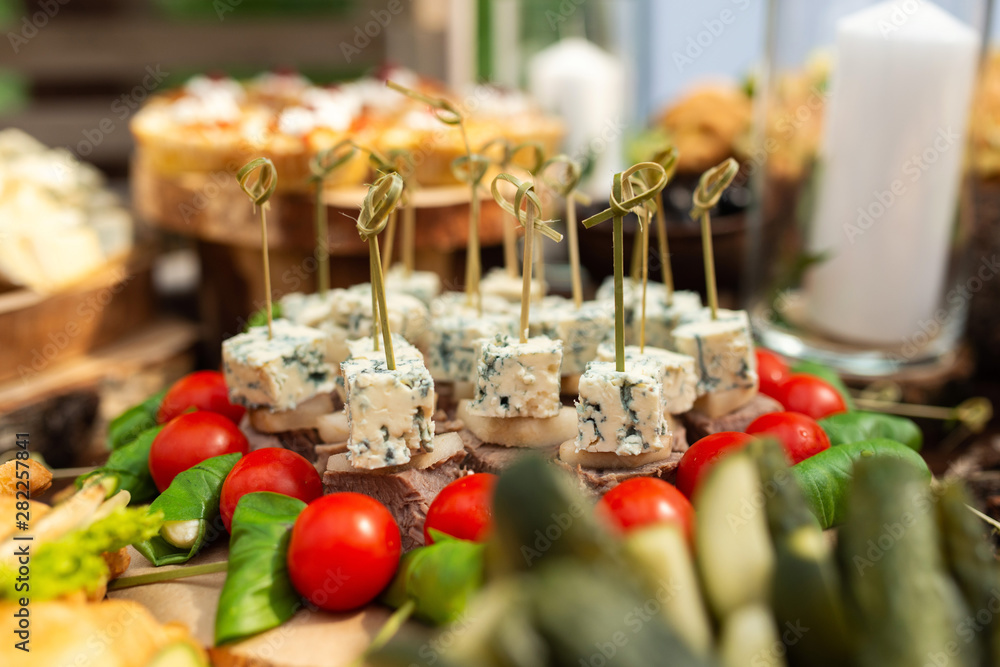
{"type": "Point", "coordinates": [382, 198]}
{"type": "Point", "coordinates": [619, 207]}
{"type": "Point", "coordinates": [321, 166]}
{"type": "Point", "coordinates": [565, 187]}
{"type": "Point", "coordinates": [710, 188]}
{"type": "Point", "coordinates": [526, 216]}
{"type": "Point", "coordinates": [260, 191]}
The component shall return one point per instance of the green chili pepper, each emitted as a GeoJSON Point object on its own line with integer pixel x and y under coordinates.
{"type": "Point", "coordinates": [826, 373]}
{"type": "Point", "coordinates": [826, 478]}
{"type": "Point", "coordinates": [192, 497]}
{"type": "Point", "coordinates": [440, 579]}
{"type": "Point", "coordinates": [258, 594]}
{"type": "Point", "coordinates": [128, 466]}
{"type": "Point", "coordinates": [848, 427]}
{"type": "Point", "coordinates": [127, 426]}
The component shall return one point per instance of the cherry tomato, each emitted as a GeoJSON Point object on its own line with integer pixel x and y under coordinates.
{"type": "Point", "coordinates": [463, 509]}
{"type": "Point", "coordinates": [201, 390]}
{"type": "Point", "coordinates": [642, 501]}
{"type": "Point", "coordinates": [703, 454]}
{"type": "Point", "coordinates": [799, 434]}
{"type": "Point", "coordinates": [189, 439]}
{"type": "Point", "coordinates": [811, 396]}
{"type": "Point", "coordinates": [343, 551]}
{"type": "Point", "coordinates": [269, 469]}
{"type": "Point", "coordinates": [772, 372]}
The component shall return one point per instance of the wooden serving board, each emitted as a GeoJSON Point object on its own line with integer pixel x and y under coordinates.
{"type": "Point", "coordinates": [213, 208]}
{"type": "Point", "coordinates": [39, 331]}
{"type": "Point", "coordinates": [309, 639]}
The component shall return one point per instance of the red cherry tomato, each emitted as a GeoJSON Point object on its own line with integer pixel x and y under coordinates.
{"type": "Point", "coordinates": [201, 390]}
{"type": "Point", "coordinates": [703, 454]}
{"type": "Point", "coordinates": [811, 396]}
{"type": "Point", "coordinates": [343, 551]}
{"type": "Point", "coordinates": [799, 434]}
{"type": "Point", "coordinates": [189, 439]}
{"type": "Point", "coordinates": [642, 501]}
{"type": "Point", "coordinates": [463, 509]}
{"type": "Point", "coordinates": [772, 372]}
{"type": "Point", "coordinates": [269, 469]}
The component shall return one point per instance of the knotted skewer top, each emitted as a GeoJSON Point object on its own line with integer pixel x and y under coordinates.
{"type": "Point", "coordinates": [524, 197]}
{"type": "Point", "coordinates": [639, 195]}
{"type": "Point", "coordinates": [330, 159]}
{"type": "Point", "coordinates": [443, 109]}
{"type": "Point", "coordinates": [383, 196]}
{"type": "Point", "coordinates": [711, 185]}
{"type": "Point", "coordinates": [261, 188]}
{"type": "Point", "coordinates": [569, 179]}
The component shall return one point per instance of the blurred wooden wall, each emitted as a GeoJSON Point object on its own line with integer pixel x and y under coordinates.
{"type": "Point", "coordinates": [72, 72]}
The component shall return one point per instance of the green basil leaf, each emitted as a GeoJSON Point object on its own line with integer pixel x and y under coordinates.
{"type": "Point", "coordinates": [824, 372]}
{"type": "Point", "coordinates": [258, 594]}
{"type": "Point", "coordinates": [130, 424]}
{"type": "Point", "coordinates": [192, 496]}
{"type": "Point", "coordinates": [826, 478]}
{"type": "Point", "coordinates": [258, 318]}
{"type": "Point", "coordinates": [128, 466]}
{"type": "Point", "coordinates": [441, 579]}
{"type": "Point", "coordinates": [848, 427]}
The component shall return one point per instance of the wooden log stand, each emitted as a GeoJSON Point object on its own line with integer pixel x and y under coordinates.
{"type": "Point", "coordinates": [212, 209]}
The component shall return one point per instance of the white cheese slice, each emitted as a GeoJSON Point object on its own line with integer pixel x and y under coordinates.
{"type": "Point", "coordinates": [305, 415]}
{"type": "Point", "coordinates": [520, 431]}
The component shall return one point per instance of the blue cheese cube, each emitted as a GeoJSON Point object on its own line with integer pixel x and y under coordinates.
{"type": "Point", "coordinates": [364, 348]}
{"type": "Point", "coordinates": [309, 310]}
{"type": "Point", "coordinates": [499, 283]}
{"type": "Point", "coordinates": [676, 373]}
{"type": "Point", "coordinates": [423, 285]}
{"type": "Point", "coordinates": [389, 412]}
{"type": "Point", "coordinates": [352, 311]}
{"type": "Point", "coordinates": [580, 330]}
{"type": "Point", "coordinates": [278, 374]}
{"type": "Point", "coordinates": [452, 342]}
{"type": "Point", "coordinates": [620, 412]}
{"type": "Point", "coordinates": [453, 303]}
{"type": "Point", "coordinates": [662, 319]}
{"type": "Point", "coordinates": [724, 355]}
{"type": "Point", "coordinates": [518, 379]}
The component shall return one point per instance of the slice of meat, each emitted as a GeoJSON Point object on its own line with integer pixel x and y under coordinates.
{"type": "Point", "coordinates": [485, 457]}
{"type": "Point", "coordinates": [301, 441]}
{"type": "Point", "coordinates": [596, 482]}
{"type": "Point", "coordinates": [699, 424]}
{"type": "Point", "coordinates": [407, 493]}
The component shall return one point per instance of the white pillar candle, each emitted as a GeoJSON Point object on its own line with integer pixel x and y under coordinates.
{"type": "Point", "coordinates": [890, 170]}
{"type": "Point", "coordinates": [586, 87]}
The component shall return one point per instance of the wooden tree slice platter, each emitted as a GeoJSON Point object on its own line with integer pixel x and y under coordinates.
{"type": "Point", "coordinates": [212, 207]}
{"type": "Point", "coordinates": [310, 639]}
